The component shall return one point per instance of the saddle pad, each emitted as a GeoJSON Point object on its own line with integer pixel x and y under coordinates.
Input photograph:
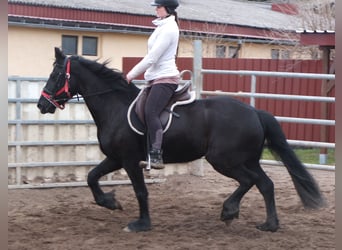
{"type": "Point", "coordinates": [138, 127]}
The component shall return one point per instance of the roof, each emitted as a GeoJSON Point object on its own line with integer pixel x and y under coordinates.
{"type": "Point", "coordinates": [323, 38]}
{"type": "Point", "coordinates": [235, 12]}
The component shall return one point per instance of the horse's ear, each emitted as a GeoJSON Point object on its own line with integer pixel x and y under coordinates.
{"type": "Point", "coordinates": [59, 54]}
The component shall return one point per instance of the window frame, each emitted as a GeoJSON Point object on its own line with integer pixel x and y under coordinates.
{"type": "Point", "coordinates": [233, 52]}
{"type": "Point", "coordinates": [86, 49]}
{"type": "Point", "coordinates": [221, 51]}
{"type": "Point", "coordinates": [275, 53]}
{"type": "Point", "coordinates": [66, 48]}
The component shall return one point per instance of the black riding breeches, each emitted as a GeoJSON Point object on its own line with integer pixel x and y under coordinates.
{"type": "Point", "coordinates": [159, 96]}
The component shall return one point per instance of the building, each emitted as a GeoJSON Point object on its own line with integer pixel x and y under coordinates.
{"type": "Point", "coordinates": [115, 29]}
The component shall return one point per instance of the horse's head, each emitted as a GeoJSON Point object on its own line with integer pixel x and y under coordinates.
{"type": "Point", "coordinates": [56, 91]}
{"type": "Point", "coordinates": [76, 75]}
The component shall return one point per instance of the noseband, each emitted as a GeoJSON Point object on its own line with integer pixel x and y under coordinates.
{"type": "Point", "coordinates": [53, 98]}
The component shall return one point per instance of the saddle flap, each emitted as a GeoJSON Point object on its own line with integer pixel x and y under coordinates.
{"type": "Point", "coordinates": [182, 96]}
{"type": "Point", "coordinates": [140, 103]}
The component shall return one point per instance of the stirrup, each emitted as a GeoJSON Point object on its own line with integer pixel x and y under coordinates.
{"type": "Point", "coordinates": [154, 160]}
{"type": "Point", "coordinates": [148, 165]}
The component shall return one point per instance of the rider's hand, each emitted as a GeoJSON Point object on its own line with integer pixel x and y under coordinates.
{"type": "Point", "coordinates": [128, 80]}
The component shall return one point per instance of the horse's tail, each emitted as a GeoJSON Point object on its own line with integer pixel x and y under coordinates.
{"type": "Point", "coordinates": [304, 183]}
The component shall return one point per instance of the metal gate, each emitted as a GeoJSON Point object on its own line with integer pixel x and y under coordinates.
{"type": "Point", "coordinates": [51, 150]}
{"type": "Point", "coordinates": [198, 85]}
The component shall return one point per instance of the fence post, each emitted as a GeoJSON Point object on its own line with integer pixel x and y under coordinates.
{"type": "Point", "coordinates": [253, 90]}
{"type": "Point", "coordinates": [324, 106]}
{"type": "Point", "coordinates": [18, 129]}
{"type": "Point", "coordinates": [197, 67]}
{"type": "Point", "coordinates": [197, 166]}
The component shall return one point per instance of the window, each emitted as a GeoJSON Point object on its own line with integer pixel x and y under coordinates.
{"type": "Point", "coordinates": [285, 54]}
{"type": "Point", "coordinates": [220, 51]}
{"type": "Point", "coordinates": [233, 52]}
{"type": "Point", "coordinates": [89, 46]}
{"type": "Point", "coordinates": [274, 53]}
{"type": "Point", "coordinates": [69, 44]}
{"type": "Point", "coordinates": [280, 54]}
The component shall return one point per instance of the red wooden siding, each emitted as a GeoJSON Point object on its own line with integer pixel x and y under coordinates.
{"type": "Point", "coordinates": [276, 85]}
{"type": "Point", "coordinates": [82, 15]}
{"type": "Point", "coordinates": [126, 20]}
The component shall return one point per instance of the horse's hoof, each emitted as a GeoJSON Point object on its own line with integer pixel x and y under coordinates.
{"type": "Point", "coordinates": [138, 226]}
{"type": "Point", "coordinates": [127, 230]}
{"type": "Point", "coordinates": [229, 216]}
{"type": "Point", "coordinates": [108, 201]}
{"type": "Point", "coordinates": [269, 227]}
{"type": "Point", "coordinates": [228, 222]}
{"type": "Point", "coordinates": [118, 205]}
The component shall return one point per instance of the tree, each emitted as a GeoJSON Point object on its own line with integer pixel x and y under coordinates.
{"type": "Point", "coordinates": [317, 14]}
{"type": "Point", "coordinates": [313, 15]}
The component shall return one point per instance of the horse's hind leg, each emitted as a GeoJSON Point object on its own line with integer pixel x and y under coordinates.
{"type": "Point", "coordinates": [231, 206]}
{"type": "Point", "coordinates": [103, 199]}
{"type": "Point", "coordinates": [266, 188]}
{"type": "Point", "coordinates": [245, 178]}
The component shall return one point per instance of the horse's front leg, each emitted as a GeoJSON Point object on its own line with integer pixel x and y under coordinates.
{"type": "Point", "coordinates": [135, 173]}
{"type": "Point", "coordinates": [106, 200]}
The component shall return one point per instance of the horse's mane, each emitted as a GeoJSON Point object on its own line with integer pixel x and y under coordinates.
{"type": "Point", "coordinates": [113, 77]}
{"type": "Point", "coordinates": [100, 69]}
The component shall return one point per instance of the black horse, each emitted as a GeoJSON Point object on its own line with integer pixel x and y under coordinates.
{"type": "Point", "coordinates": [228, 133]}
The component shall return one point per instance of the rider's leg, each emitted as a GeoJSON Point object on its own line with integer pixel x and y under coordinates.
{"type": "Point", "coordinates": [159, 96]}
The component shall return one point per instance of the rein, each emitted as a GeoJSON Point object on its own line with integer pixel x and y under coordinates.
{"type": "Point", "coordinates": [53, 98]}
{"type": "Point", "coordinates": [83, 96]}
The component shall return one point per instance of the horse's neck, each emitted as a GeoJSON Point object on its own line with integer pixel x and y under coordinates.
{"type": "Point", "coordinates": [104, 112]}
{"type": "Point", "coordinates": [105, 102]}
{"type": "Point", "coordinates": [109, 108]}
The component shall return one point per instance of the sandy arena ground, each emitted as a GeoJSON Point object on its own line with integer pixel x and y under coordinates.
{"type": "Point", "coordinates": [185, 211]}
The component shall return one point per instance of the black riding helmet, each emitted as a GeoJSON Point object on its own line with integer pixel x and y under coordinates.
{"type": "Point", "coordinates": [173, 4]}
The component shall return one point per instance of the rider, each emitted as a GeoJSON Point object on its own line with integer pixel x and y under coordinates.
{"type": "Point", "coordinates": [161, 73]}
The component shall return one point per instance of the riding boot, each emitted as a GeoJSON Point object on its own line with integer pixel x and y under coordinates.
{"type": "Point", "coordinates": [156, 160]}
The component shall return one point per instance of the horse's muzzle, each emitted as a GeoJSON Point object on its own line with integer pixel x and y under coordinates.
{"type": "Point", "coordinates": [45, 106]}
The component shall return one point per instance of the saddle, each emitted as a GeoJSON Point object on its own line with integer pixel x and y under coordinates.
{"type": "Point", "coordinates": [136, 111]}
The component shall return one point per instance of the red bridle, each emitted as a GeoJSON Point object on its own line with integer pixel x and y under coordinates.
{"type": "Point", "coordinates": [53, 98]}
